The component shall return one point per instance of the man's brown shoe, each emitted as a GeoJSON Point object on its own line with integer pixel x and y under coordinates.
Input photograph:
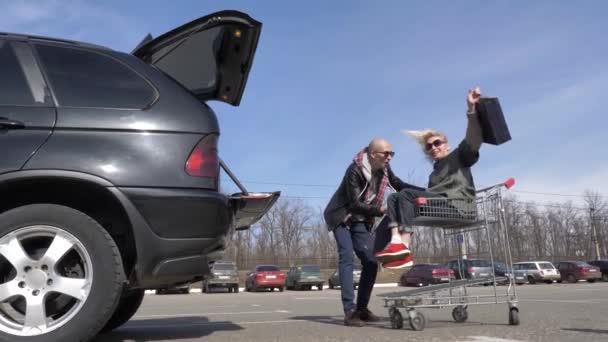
{"type": "Point", "coordinates": [367, 316]}
{"type": "Point", "coordinates": [352, 319]}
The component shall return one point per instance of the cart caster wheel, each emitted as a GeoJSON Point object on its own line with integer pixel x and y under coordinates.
{"type": "Point", "coordinates": [396, 318]}
{"type": "Point", "coordinates": [417, 321]}
{"type": "Point", "coordinates": [513, 316]}
{"type": "Point", "coordinates": [460, 314]}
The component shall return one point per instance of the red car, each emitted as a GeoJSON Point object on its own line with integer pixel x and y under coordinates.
{"type": "Point", "coordinates": [265, 277]}
{"type": "Point", "coordinates": [573, 271]}
{"type": "Point", "coordinates": [425, 274]}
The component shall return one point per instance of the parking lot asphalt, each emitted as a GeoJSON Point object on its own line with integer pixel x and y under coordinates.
{"type": "Point", "coordinates": [555, 312]}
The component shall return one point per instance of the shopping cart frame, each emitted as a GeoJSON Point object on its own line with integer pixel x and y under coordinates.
{"type": "Point", "coordinates": [459, 216]}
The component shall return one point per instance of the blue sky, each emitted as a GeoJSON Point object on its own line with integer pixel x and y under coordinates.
{"type": "Point", "coordinates": [330, 76]}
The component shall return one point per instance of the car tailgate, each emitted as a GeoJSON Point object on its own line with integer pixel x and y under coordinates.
{"type": "Point", "coordinates": [250, 207]}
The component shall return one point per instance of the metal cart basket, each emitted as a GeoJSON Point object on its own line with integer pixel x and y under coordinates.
{"type": "Point", "coordinates": [457, 217]}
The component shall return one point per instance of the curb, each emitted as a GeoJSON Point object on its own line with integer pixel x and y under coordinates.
{"type": "Point", "coordinates": [242, 289]}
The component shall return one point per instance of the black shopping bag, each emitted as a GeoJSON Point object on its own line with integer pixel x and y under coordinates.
{"type": "Point", "coordinates": [492, 120]}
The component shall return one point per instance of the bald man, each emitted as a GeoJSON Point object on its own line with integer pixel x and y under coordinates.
{"type": "Point", "coordinates": [350, 214]}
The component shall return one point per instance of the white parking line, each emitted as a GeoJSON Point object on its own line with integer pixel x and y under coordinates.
{"type": "Point", "coordinates": [181, 325]}
{"type": "Point", "coordinates": [488, 339]}
{"type": "Point", "coordinates": [201, 314]}
{"type": "Point", "coordinates": [587, 301]}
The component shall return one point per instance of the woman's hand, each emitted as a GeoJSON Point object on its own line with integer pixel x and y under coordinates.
{"type": "Point", "coordinates": [472, 99]}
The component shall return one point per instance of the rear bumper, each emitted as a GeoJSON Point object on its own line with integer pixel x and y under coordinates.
{"type": "Point", "coordinates": [587, 276]}
{"type": "Point", "coordinates": [177, 232]}
{"type": "Point", "coordinates": [550, 277]}
{"type": "Point", "coordinates": [440, 280]}
{"type": "Point", "coordinates": [309, 281]}
{"type": "Point", "coordinates": [269, 283]}
{"type": "Point", "coordinates": [222, 282]}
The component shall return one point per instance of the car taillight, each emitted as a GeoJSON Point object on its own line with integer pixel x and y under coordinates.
{"type": "Point", "coordinates": [434, 272]}
{"type": "Point", "coordinates": [203, 160]}
{"type": "Point", "coordinates": [259, 275]}
{"type": "Point", "coordinates": [471, 270]}
{"type": "Point", "coordinates": [281, 275]}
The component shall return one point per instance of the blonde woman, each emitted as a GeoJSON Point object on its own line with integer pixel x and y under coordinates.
{"type": "Point", "coordinates": [451, 178]}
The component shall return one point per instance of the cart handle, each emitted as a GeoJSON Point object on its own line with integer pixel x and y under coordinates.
{"type": "Point", "coordinates": [509, 183]}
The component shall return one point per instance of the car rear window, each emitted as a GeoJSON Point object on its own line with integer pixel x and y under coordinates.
{"type": "Point", "coordinates": [82, 78]}
{"type": "Point", "coordinates": [546, 266]}
{"type": "Point", "coordinates": [223, 267]}
{"type": "Point", "coordinates": [267, 269]}
{"type": "Point", "coordinates": [311, 268]}
{"type": "Point", "coordinates": [480, 263]}
{"type": "Point", "coordinates": [582, 264]}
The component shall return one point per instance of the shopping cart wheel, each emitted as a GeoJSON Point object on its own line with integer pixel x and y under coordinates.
{"type": "Point", "coordinates": [460, 314]}
{"type": "Point", "coordinates": [417, 320]}
{"type": "Point", "coordinates": [396, 318]}
{"type": "Point", "coordinates": [513, 316]}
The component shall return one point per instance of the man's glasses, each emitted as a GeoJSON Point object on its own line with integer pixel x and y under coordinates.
{"type": "Point", "coordinates": [385, 154]}
{"type": "Point", "coordinates": [435, 143]}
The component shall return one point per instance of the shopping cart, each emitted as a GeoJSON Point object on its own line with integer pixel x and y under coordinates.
{"type": "Point", "coordinates": [458, 217]}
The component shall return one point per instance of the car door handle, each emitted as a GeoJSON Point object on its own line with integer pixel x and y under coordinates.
{"type": "Point", "coordinates": [11, 124]}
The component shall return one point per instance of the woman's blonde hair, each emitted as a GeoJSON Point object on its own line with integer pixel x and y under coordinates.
{"type": "Point", "coordinates": [422, 136]}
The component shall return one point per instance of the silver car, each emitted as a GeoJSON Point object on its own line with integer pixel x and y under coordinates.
{"type": "Point", "coordinates": [535, 271]}
{"type": "Point", "coordinates": [334, 280]}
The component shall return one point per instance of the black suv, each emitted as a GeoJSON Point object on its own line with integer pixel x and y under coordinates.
{"type": "Point", "coordinates": [109, 173]}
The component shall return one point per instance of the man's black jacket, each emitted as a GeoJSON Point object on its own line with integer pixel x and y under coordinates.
{"type": "Point", "coordinates": [348, 199]}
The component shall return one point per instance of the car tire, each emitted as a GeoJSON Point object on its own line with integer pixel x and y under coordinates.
{"type": "Point", "coordinates": [80, 246]}
{"type": "Point", "coordinates": [548, 281]}
{"type": "Point", "coordinates": [331, 286]}
{"type": "Point", "coordinates": [531, 280]}
{"type": "Point", "coordinates": [320, 287]}
{"type": "Point", "coordinates": [591, 280]}
{"type": "Point", "coordinates": [129, 303]}
{"type": "Point", "coordinates": [282, 288]}
{"type": "Point", "coordinates": [571, 278]}
{"type": "Point", "coordinates": [235, 289]}
{"type": "Point", "coordinates": [604, 276]}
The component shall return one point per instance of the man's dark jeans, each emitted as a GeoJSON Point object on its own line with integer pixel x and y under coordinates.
{"type": "Point", "coordinates": [355, 238]}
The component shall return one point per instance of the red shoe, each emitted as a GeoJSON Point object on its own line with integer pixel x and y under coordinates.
{"type": "Point", "coordinates": [393, 252]}
{"type": "Point", "coordinates": [408, 261]}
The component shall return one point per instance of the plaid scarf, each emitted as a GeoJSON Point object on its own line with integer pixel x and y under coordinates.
{"type": "Point", "coordinates": [362, 161]}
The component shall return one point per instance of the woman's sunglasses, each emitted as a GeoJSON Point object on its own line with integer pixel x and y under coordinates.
{"type": "Point", "coordinates": [435, 143]}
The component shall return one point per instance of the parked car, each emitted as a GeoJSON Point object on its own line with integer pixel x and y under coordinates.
{"type": "Point", "coordinates": [334, 279]}
{"type": "Point", "coordinates": [503, 271]}
{"type": "Point", "coordinates": [265, 277]}
{"type": "Point", "coordinates": [304, 277]}
{"type": "Point", "coordinates": [425, 274]}
{"type": "Point", "coordinates": [183, 289]}
{"type": "Point", "coordinates": [603, 265]}
{"type": "Point", "coordinates": [223, 275]}
{"type": "Point", "coordinates": [111, 162]}
{"type": "Point", "coordinates": [573, 271]}
{"type": "Point", "coordinates": [471, 268]}
{"type": "Point", "coordinates": [536, 271]}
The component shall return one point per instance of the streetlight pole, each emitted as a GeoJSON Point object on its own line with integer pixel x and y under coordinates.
{"type": "Point", "coordinates": [595, 240]}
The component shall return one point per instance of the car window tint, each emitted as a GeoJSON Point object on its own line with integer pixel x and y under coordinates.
{"type": "Point", "coordinates": [481, 263]}
{"type": "Point", "coordinates": [267, 268]}
{"type": "Point", "coordinates": [83, 78]}
{"type": "Point", "coordinates": [546, 266]}
{"type": "Point", "coordinates": [311, 268]}
{"type": "Point", "coordinates": [14, 89]}
{"type": "Point", "coordinates": [223, 267]}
